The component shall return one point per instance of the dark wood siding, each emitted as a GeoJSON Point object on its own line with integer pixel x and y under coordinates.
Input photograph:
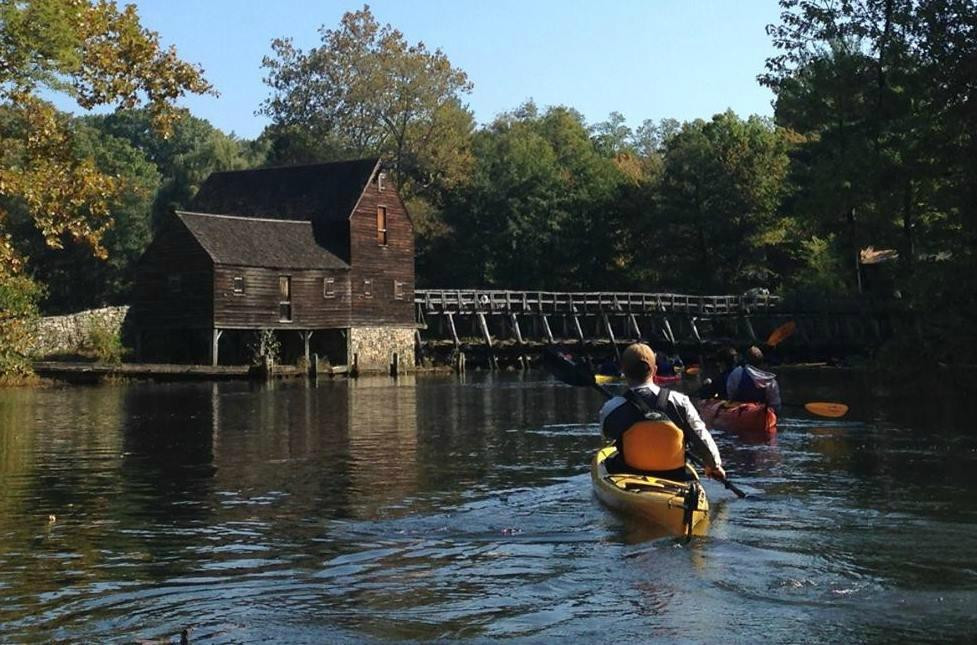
{"type": "Point", "coordinates": [174, 255]}
{"type": "Point", "coordinates": [257, 306]}
{"type": "Point", "coordinates": [383, 265]}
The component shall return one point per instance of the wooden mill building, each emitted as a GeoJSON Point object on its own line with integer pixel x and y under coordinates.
{"type": "Point", "coordinates": [322, 255]}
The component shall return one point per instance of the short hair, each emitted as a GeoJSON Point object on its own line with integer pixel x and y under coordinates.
{"type": "Point", "coordinates": [754, 356]}
{"type": "Point", "coordinates": [637, 362]}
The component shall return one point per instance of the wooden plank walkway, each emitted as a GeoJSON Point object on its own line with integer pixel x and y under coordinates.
{"type": "Point", "coordinates": [456, 301]}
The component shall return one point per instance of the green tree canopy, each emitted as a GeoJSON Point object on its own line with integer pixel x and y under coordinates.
{"type": "Point", "coordinates": [99, 55]}
{"type": "Point", "coordinates": [538, 211]}
{"type": "Point", "coordinates": [367, 91]}
{"type": "Point", "coordinates": [718, 222]}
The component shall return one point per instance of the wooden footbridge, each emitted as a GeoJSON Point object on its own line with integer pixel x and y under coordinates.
{"type": "Point", "coordinates": [496, 327]}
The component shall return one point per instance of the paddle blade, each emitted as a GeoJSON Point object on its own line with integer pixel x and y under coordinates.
{"type": "Point", "coordinates": [833, 410]}
{"type": "Point", "coordinates": [563, 366]}
{"type": "Point", "coordinates": [692, 370]}
{"type": "Point", "coordinates": [782, 333]}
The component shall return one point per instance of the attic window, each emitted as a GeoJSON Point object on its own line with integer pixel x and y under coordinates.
{"type": "Point", "coordinates": [238, 285]}
{"type": "Point", "coordinates": [329, 287]}
{"type": "Point", "coordinates": [174, 283]}
{"type": "Point", "coordinates": [382, 225]}
{"type": "Point", "coordinates": [381, 178]}
{"type": "Point", "coordinates": [398, 290]}
{"type": "Point", "coordinates": [368, 288]}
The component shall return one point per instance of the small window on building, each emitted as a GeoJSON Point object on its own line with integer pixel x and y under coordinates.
{"type": "Point", "coordinates": [398, 290]}
{"type": "Point", "coordinates": [238, 285]}
{"type": "Point", "coordinates": [174, 283]}
{"type": "Point", "coordinates": [284, 298]}
{"type": "Point", "coordinates": [368, 288]}
{"type": "Point", "coordinates": [381, 179]}
{"type": "Point", "coordinates": [329, 287]}
{"type": "Point", "coordinates": [382, 225]}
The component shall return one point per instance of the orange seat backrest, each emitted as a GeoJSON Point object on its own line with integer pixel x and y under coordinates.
{"type": "Point", "coordinates": [654, 445]}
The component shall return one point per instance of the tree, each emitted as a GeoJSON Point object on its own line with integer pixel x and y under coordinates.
{"type": "Point", "coordinates": [99, 55]}
{"type": "Point", "coordinates": [366, 91]}
{"type": "Point", "coordinates": [184, 159]}
{"type": "Point", "coordinates": [881, 92]}
{"type": "Point", "coordinates": [74, 278]}
{"type": "Point", "coordinates": [718, 221]}
{"type": "Point", "coordinates": [539, 210]}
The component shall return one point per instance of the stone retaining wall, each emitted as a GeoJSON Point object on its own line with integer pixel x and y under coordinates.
{"type": "Point", "coordinates": [371, 349]}
{"type": "Point", "coordinates": [69, 334]}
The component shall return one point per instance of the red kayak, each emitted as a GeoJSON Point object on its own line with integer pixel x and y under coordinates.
{"type": "Point", "coordinates": [755, 419]}
{"type": "Point", "coordinates": [665, 379]}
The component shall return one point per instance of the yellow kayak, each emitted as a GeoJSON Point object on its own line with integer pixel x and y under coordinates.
{"type": "Point", "coordinates": [659, 501]}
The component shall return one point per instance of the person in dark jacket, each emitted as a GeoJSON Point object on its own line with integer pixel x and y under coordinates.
{"type": "Point", "coordinates": [750, 384]}
{"type": "Point", "coordinates": [728, 360]}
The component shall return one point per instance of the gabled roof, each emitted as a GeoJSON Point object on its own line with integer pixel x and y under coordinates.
{"type": "Point", "coordinates": [321, 192]}
{"type": "Point", "coordinates": [259, 242]}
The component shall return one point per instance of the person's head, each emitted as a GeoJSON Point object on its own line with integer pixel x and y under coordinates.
{"type": "Point", "coordinates": [728, 358]}
{"type": "Point", "coordinates": [754, 356]}
{"type": "Point", "coordinates": [638, 363]}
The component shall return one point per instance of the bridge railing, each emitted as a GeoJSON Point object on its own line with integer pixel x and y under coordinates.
{"type": "Point", "coordinates": [489, 300]}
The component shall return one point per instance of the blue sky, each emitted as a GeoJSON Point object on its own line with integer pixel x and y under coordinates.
{"type": "Point", "coordinates": [644, 58]}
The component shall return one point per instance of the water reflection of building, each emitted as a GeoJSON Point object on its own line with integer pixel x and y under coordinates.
{"type": "Point", "coordinates": [337, 449]}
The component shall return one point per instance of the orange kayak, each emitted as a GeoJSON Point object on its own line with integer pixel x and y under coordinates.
{"type": "Point", "coordinates": [755, 419]}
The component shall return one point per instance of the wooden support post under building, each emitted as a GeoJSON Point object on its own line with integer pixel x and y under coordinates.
{"type": "Point", "coordinates": [610, 334]}
{"type": "Point", "coordinates": [306, 337]}
{"type": "Point", "coordinates": [215, 346]}
{"type": "Point", "coordinates": [314, 368]}
{"type": "Point", "coordinates": [546, 327]}
{"type": "Point", "coordinates": [488, 341]}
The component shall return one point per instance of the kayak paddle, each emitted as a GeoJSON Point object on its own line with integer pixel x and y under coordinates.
{"type": "Point", "coordinates": [562, 366]}
{"type": "Point", "coordinates": [782, 333]}
{"type": "Point", "coordinates": [822, 408]}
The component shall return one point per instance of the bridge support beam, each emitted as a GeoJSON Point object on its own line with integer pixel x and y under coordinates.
{"type": "Point", "coordinates": [521, 357]}
{"type": "Point", "coordinates": [546, 327]}
{"type": "Point", "coordinates": [579, 329]}
{"type": "Point", "coordinates": [695, 330]}
{"type": "Point", "coordinates": [493, 364]}
{"type": "Point", "coordinates": [669, 334]}
{"type": "Point", "coordinates": [454, 331]}
{"type": "Point", "coordinates": [634, 327]}
{"type": "Point", "coordinates": [610, 334]}
{"type": "Point", "coordinates": [749, 328]}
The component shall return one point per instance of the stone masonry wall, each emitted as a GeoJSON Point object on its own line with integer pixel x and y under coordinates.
{"type": "Point", "coordinates": [372, 348]}
{"type": "Point", "coordinates": [67, 334]}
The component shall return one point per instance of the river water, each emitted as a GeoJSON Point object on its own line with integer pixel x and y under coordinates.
{"type": "Point", "coordinates": [446, 507]}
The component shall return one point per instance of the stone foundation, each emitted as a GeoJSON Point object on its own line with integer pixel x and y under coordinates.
{"type": "Point", "coordinates": [69, 334]}
{"type": "Point", "coordinates": [372, 349]}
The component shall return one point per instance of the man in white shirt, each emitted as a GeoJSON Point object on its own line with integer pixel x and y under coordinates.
{"type": "Point", "coordinates": [619, 414]}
